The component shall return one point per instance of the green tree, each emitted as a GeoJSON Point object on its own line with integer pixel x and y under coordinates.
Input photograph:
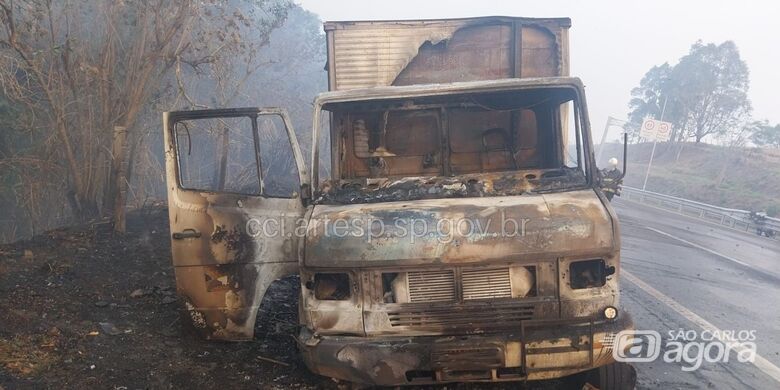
{"type": "Point", "coordinates": [705, 92]}
{"type": "Point", "coordinates": [765, 135]}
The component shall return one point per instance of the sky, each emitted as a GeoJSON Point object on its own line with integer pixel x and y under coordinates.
{"type": "Point", "coordinates": [613, 43]}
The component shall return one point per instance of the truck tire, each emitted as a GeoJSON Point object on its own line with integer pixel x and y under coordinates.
{"type": "Point", "coordinates": [617, 376]}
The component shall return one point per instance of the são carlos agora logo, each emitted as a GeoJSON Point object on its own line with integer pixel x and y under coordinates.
{"type": "Point", "coordinates": [687, 348]}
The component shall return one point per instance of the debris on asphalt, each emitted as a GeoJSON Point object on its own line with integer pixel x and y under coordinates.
{"type": "Point", "coordinates": [109, 329]}
{"type": "Point", "coordinates": [265, 359]}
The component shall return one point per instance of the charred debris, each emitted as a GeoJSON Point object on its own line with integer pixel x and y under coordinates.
{"type": "Point", "coordinates": [438, 187]}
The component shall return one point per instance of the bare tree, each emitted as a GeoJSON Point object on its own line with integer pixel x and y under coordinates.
{"type": "Point", "coordinates": [83, 68]}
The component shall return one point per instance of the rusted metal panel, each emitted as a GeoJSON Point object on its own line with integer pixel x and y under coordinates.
{"type": "Point", "coordinates": [555, 224]}
{"type": "Point", "coordinates": [426, 90]}
{"type": "Point", "coordinates": [537, 350]}
{"type": "Point", "coordinates": [222, 266]}
{"type": "Point", "coordinates": [478, 52]}
{"type": "Point", "coordinates": [381, 53]}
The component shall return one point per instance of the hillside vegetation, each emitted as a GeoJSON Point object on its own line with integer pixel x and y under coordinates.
{"type": "Point", "coordinates": [743, 178]}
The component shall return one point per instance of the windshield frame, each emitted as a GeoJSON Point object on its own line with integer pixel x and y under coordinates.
{"type": "Point", "coordinates": [582, 122]}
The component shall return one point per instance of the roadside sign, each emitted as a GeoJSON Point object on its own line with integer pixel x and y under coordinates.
{"type": "Point", "coordinates": [663, 131]}
{"type": "Point", "coordinates": [648, 129]}
{"type": "Point", "coordinates": [653, 130]}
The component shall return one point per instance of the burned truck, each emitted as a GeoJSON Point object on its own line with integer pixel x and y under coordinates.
{"type": "Point", "coordinates": [461, 233]}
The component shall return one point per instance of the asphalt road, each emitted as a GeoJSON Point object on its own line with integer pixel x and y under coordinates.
{"type": "Point", "coordinates": [682, 273]}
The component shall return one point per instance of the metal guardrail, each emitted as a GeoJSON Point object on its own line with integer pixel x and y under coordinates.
{"type": "Point", "coordinates": [731, 218]}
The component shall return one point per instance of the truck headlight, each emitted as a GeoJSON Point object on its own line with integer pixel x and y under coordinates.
{"type": "Point", "coordinates": [589, 273]}
{"type": "Point", "coordinates": [330, 286]}
{"type": "Point", "coordinates": [610, 313]}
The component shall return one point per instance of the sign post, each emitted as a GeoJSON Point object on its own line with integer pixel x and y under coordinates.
{"type": "Point", "coordinates": [657, 130]}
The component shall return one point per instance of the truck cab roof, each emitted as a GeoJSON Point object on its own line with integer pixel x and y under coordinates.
{"type": "Point", "coordinates": [464, 87]}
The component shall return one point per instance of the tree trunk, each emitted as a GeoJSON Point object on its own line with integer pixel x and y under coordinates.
{"type": "Point", "coordinates": [83, 206]}
{"type": "Point", "coordinates": [117, 180]}
{"type": "Point", "coordinates": [133, 149]}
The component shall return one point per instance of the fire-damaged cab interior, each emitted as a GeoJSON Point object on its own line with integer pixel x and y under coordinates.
{"type": "Point", "coordinates": [454, 135]}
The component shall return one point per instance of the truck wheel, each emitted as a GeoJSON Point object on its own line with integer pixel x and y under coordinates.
{"type": "Point", "coordinates": [617, 376]}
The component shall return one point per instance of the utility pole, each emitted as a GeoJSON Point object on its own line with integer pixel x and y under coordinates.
{"type": "Point", "coordinates": [652, 154]}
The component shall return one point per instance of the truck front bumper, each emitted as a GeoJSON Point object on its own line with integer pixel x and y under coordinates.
{"type": "Point", "coordinates": [538, 349]}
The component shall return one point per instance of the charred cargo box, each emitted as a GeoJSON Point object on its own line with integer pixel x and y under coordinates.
{"type": "Point", "coordinates": [462, 234]}
{"type": "Point", "coordinates": [383, 53]}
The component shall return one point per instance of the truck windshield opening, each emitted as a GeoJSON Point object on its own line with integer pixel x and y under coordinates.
{"type": "Point", "coordinates": [457, 135]}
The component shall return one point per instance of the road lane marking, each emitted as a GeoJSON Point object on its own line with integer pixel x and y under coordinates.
{"type": "Point", "coordinates": [724, 228]}
{"type": "Point", "coordinates": [761, 363]}
{"type": "Point", "coordinates": [759, 269]}
{"type": "Point", "coordinates": [697, 246]}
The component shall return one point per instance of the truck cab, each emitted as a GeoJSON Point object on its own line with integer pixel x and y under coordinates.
{"type": "Point", "coordinates": [461, 233]}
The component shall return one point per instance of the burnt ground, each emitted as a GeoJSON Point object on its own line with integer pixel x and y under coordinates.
{"type": "Point", "coordinates": [84, 308]}
{"type": "Point", "coordinates": [56, 290]}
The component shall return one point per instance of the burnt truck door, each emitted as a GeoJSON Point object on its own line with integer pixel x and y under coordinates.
{"type": "Point", "coordinates": [237, 188]}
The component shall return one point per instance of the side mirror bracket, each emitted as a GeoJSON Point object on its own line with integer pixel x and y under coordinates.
{"type": "Point", "coordinates": [625, 157]}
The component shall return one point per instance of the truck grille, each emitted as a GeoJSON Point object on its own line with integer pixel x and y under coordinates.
{"type": "Point", "coordinates": [432, 286]}
{"type": "Point", "coordinates": [459, 358]}
{"type": "Point", "coordinates": [486, 283]}
{"type": "Point", "coordinates": [461, 299]}
{"type": "Point", "coordinates": [459, 316]}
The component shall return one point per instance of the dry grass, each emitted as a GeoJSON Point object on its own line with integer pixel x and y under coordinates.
{"type": "Point", "coordinates": [27, 355]}
{"type": "Point", "coordinates": [751, 180]}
